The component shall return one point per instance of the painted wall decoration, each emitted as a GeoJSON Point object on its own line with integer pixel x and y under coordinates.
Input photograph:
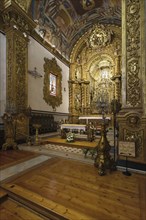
{"type": "Point", "coordinates": [62, 23]}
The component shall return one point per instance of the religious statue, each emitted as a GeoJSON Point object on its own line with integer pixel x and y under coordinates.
{"type": "Point", "coordinates": [90, 131]}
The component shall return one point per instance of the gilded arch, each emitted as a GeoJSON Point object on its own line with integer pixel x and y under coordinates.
{"type": "Point", "coordinates": [88, 64]}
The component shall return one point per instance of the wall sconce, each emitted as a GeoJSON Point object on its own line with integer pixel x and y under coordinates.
{"type": "Point", "coordinates": [34, 73]}
{"type": "Point", "coordinates": [64, 89]}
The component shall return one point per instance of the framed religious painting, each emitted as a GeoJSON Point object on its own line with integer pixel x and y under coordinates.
{"type": "Point", "coordinates": [52, 90]}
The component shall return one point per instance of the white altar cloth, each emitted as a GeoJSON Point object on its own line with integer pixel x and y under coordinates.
{"type": "Point", "coordinates": [74, 126]}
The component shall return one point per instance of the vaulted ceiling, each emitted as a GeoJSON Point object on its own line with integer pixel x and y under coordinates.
{"type": "Point", "coordinates": [62, 22]}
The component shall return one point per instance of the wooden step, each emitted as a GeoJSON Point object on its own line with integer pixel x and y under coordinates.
{"type": "Point", "coordinates": [3, 194]}
{"type": "Point", "coordinates": [44, 207]}
{"type": "Point", "coordinates": [13, 210]}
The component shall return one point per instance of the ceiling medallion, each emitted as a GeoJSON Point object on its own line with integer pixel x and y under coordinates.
{"type": "Point", "coordinates": [100, 36]}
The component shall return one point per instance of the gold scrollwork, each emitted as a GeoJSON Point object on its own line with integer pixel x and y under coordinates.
{"type": "Point", "coordinates": [100, 37]}
{"type": "Point", "coordinates": [133, 121]}
{"type": "Point", "coordinates": [51, 67]}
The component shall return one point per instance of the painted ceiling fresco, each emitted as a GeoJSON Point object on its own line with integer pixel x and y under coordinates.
{"type": "Point", "coordinates": [62, 22]}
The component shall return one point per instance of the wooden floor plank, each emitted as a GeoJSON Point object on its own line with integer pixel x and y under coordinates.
{"type": "Point", "coordinates": [3, 193]}
{"type": "Point", "coordinates": [11, 157]}
{"type": "Point", "coordinates": [67, 194]}
{"type": "Point", "coordinates": [11, 210]}
{"type": "Point", "coordinates": [76, 191]}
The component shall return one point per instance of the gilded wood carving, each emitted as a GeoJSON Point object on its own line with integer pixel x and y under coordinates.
{"type": "Point", "coordinates": [51, 68]}
{"type": "Point", "coordinates": [95, 70]}
{"type": "Point", "coordinates": [133, 52]}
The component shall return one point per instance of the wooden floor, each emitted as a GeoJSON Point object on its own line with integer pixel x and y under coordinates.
{"type": "Point", "coordinates": [13, 210]}
{"type": "Point", "coordinates": [12, 157]}
{"type": "Point", "coordinates": [74, 190]}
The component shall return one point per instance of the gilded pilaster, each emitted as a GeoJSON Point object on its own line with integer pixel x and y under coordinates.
{"type": "Point", "coordinates": [17, 26]}
{"type": "Point", "coordinates": [132, 120]}
{"type": "Point", "coordinates": [16, 71]}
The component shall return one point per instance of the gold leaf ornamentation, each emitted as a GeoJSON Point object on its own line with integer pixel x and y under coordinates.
{"type": "Point", "coordinates": [51, 67]}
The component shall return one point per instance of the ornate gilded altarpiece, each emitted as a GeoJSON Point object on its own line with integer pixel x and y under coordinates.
{"type": "Point", "coordinates": [52, 92]}
{"type": "Point", "coordinates": [95, 71]}
{"type": "Point", "coordinates": [108, 63]}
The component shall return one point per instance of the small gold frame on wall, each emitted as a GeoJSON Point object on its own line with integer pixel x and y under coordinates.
{"type": "Point", "coordinates": [51, 68]}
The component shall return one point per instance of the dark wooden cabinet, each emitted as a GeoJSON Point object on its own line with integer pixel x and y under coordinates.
{"type": "Point", "coordinates": [46, 121]}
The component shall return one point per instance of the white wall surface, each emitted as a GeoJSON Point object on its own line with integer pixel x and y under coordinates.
{"type": "Point", "coordinates": [2, 74]}
{"type": "Point", "coordinates": [36, 55]}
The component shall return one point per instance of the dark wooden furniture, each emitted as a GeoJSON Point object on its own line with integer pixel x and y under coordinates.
{"type": "Point", "coordinates": [46, 121]}
{"type": "Point", "coordinates": [2, 135]}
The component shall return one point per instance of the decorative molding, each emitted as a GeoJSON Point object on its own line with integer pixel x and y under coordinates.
{"type": "Point", "coordinates": [51, 49]}
{"type": "Point", "coordinates": [51, 66]}
{"type": "Point", "coordinates": [133, 121]}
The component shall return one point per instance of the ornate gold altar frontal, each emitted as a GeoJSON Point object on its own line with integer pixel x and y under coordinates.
{"type": "Point", "coordinates": [51, 67]}
{"type": "Point", "coordinates": [95, 71]}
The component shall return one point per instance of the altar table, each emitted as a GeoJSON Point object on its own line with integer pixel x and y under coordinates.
{"type": "Point", "coordinates": [73, 127]}
{"type": "Point", "coordinates": [98, 118]}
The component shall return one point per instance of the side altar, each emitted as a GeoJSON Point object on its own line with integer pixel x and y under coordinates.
{"type": "Point", "coordinates": [77, 128]}
{"type": "Point", "coordinates": [88, 127]}
{"type": "Point", "coordinates": [97, 119]}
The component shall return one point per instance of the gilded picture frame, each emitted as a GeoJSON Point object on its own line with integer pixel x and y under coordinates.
{"type": "Point", "coordinates": [52, 68]}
